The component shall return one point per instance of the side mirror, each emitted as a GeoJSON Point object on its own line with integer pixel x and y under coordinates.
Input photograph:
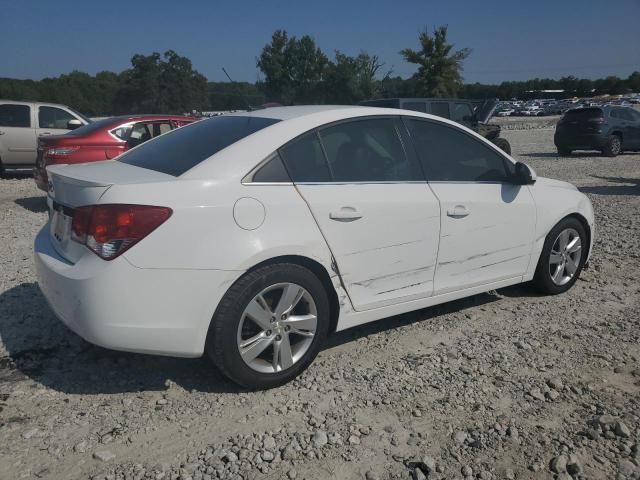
{"type": "Point", "coordinates": [524, 175]}
{"type": "Point", "coordinates": [73, 124]}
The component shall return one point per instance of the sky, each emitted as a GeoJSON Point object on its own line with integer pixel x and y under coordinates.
{"type": "Point", "coordinates": [510, 39]}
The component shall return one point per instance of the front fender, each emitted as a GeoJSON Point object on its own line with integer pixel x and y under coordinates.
{"type": "Point", "coordinates": [554, 201]}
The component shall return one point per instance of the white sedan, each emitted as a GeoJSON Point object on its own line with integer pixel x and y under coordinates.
{"type": "Point", "coordinates": [253, 236]}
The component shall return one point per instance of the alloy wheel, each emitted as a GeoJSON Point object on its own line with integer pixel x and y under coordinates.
{"type": "Point", "coordinates": [277, 328]}
{"type": "Point", "coordinates": [565, 256]}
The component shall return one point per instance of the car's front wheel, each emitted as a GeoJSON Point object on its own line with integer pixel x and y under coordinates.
{"type": "Point", "coordinates": [562, 257]}
{"type": "Point", "coordinates": [269, 326]}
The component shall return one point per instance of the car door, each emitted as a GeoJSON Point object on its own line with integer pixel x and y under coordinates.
{"type": "Point", "coordinates": [373, 206]}
{"type": "Point", "coordinates": [53, 120]}
{"type": "Point", "coordinates": [17, 135]}
{"type": "Point", "coordinates": [487, 223]}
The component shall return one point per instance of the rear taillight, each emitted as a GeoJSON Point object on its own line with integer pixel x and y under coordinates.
{"type": "Point", "coordinates": [110, 230]}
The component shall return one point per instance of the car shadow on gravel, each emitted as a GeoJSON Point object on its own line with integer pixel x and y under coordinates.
{"type": "Point", "coordinates": [423, 315]}
{"type": "Point", "coordinates": [41, 348]}
{"type": "Point", "coordinates": [621, 186]}
{"type": "Point", "coordinates": [33, 204]}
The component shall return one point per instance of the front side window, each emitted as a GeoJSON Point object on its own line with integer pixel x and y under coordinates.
{"type": "Point", "coordinates": [12, 115]}
{"type": "Point", "coordinates": [54, 118]}
{"type": "Point", "coordinates": [440, 109]}
{"type": "Point", "coordinates": [367, 151]}
{"type": "Point", "coordinates": [451, 155]}
{"type": "Point", "coordinates": [188, 146]}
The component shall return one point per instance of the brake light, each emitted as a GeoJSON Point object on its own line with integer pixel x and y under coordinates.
{"type": "Point", "coordinates": [110, 230]}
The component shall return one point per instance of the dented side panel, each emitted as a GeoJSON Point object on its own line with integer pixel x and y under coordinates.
{"type": "Point", "coordinates": [492, 242]}
{"type": "Point", "coordinates": [388, 254]}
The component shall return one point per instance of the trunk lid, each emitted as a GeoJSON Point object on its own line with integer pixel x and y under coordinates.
{"type": "Point", "coordinates": [72, 186]}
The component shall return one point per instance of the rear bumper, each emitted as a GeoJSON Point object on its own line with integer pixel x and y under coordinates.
{"type": "Point", "coordinates": [580, 140]}
{"type": "Point", "coordinates": [118, 306]}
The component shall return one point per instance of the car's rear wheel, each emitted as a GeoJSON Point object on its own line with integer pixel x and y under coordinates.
{"type": "Point", "coordinates": [613, 146]}
{"type": "Point", "coordinates": [564, 152]}
{"type": "Point", "coordinates": [269, 326]}
{"type": "Point", "coordinates": [562, 257]}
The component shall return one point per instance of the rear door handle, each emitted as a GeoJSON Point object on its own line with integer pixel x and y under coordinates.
{"type": "Point", "coordinates": [1, 133]}
{"type": "Point", "coordinates": [345, 214]}
{"type": "Point", "coordinates": [459, 211]}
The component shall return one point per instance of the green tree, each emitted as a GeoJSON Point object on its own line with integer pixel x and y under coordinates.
{"type": "Point", "coordinates": [348, 80]}
{"type": "Point", "coordinates": [292, 68]}
{"type": "Point", "coordinates": [439, 66]}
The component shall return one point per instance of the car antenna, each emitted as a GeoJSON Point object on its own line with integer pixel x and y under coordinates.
{"type": "Point", "coordinates": [246, 102]}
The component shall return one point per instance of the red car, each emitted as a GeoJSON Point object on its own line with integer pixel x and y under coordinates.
{"type": "Point", "coordinates": [101, 140]}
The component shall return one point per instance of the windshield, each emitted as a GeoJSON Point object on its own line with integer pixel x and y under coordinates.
{"type": "Point", "coordinates": [92, 127]}
{"type": "Point", "coordinates": [84, 117]}
{"type": "Point", "coordinates": [186, 147]}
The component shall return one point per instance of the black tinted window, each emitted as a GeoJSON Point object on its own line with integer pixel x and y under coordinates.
{"type": "Point", "coordinates": [304, 159]}
{"type": "Point", "coordinates": [367, 151]}
{"type": "Point", "coordinates": [15, 115]}
{"type": "Point", "coordinates": [186, 147]}
{"type": "Point", "coordinates": [272, 171]}
{"type": "Point", "coordinates": [441, 109]}
{"type": "Point", "coordinates": [415, 106]}
{"type": "Point", "coordinates": [449, 154]}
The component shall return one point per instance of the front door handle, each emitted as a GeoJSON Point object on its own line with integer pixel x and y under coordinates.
{"type": "Point", "coordinates": [459, 211]}
{"type": "Point", "coordinates": [45, 133]}
{"type": "Point", "coordinates": [1, 133]}
{"type": "Point", "coordinates": [345, 214]}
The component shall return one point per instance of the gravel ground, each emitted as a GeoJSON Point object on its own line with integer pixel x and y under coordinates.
{"type": "Point", "coordinates": [507, 384]}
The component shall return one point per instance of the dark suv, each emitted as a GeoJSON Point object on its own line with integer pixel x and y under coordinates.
{"type": "Point", "coordinates": [470, 113]}
{"type": "Point", "coordinates": [609, 129]}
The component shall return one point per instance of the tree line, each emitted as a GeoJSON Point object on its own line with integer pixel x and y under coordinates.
{"type": "Point", "coordinates": [294, 71]}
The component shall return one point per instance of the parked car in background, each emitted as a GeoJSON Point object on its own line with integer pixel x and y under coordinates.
{"type": "Point", "coordinates": [21, 123]}
{"type": "Point", "coordinates": [253, 236]}
{"type": "Point", "coordinates": [473, 114]}
{"type": "Point", "coordinates": [505, 112]}
{"type": "Point", "coordinates": [609, 129]}
{"type": "Point", "coordinates": [102, 140]}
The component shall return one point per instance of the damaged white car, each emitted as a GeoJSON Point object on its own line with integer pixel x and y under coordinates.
{"type": "Point", "coordinates": [253, 236]}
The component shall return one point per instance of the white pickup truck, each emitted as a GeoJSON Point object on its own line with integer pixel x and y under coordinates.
{"type": "Point", "coordinates": [21, 123]}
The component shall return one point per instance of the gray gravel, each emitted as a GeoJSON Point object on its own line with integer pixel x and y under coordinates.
{"type": "Point", "coordinates": [507, 384]}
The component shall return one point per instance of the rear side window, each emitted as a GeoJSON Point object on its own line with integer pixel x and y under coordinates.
{"type": "Point", "coordinates": [186, 147]}
{"type": "Point", "coordinates": [367, 151]}
{"type": "Point", "coordinates": [461, 112]}
{"type": "Point", "coordinates": [451, 155]}
{"type": "Point", "coordinates": [271, 172]}
{"type": "Point", "coordinates": [12, 115]}
{"type": "Point", "coordinates": [440, 109]}
{"type": "Point", "coordinates": [304, 159]}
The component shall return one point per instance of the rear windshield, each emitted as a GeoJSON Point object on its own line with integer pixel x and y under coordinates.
{"type": "Point", "coordinates": [186, 147]}
{"type": "Point", "coordinates": [584, 114]}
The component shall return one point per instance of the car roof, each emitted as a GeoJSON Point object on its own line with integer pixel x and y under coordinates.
{"type": "Point", "coordinates": [295, 121]}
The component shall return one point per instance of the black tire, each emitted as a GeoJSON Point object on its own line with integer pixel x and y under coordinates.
{"type": "Point", "coordinates": [542, 279]}
{"type": "Point", "coordinates": [502, 144]}
{"type": "Point", "coordinates": [613, 146]}
{"type": "Point", "coordinates": [221, 345]}
{"type": "Point", "coordinates": [564, 152]}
